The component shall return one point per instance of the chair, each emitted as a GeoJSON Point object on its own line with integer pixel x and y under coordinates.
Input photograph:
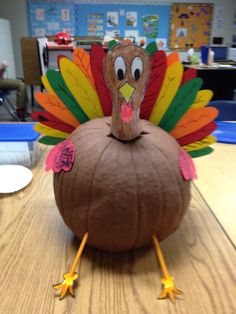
{"type": "Point", "coordinates": [227, 109]}
{"type": "Point", "coordinates": [226, 131]}
{"type": "Point", "coordinates": [7, 104]}
{"type": "Point", "coordinates": [31, 63]}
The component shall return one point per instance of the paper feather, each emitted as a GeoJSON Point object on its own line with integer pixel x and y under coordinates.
{"type": "Point", "coordinates": [180, 104]}
{"type": "Point", "coordinates": [51, 121]}
{"type": "Point", "coordinates": [151, 48]}
{"type": "Point", "coordinates": [82, 59]}
{"type": "Point", "coordinates": [169, 88]}
{"type": "Point", "coordinates": [81, 88]}
{"type": "Point", "coordinates": [201, 152]}
{"type": "Point", "coordinates": [203, 98]}
{"type": "Point", "coordinates": [188, 75]}
{"type": "Point", "coordinates": [97, 57]}
{"type": "Point", "coordinates": [158, 69]}
{"type": "Point", "coordinates": [206, 141]}
{"type": "Point", "coordinates": [55, 106]}
{"type": "Point", "coordinates": [172, 58]}
{"type": "Point", "coordinates": [49, 140]}
{"type": "Point", "coordinates": [197, 135]}
{"type": "Point", "coordinates": [47, 85]}
{"type": "Point", "coordinates": [45, 130]}
{"type": "Point", "coordinates": [193, 120]}
{"type": "Point", "coordinates": [57, 83]}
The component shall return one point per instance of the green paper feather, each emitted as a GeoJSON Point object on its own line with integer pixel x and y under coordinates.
{"type": "Point", "coordinates": [151, 48]}
{"type": "Point", "coordinates": [111, 44]}
{"type": "Point", "coordinates": [201, 152]}
{"type": "Point", "coordinates": [58, 85]}
{"type": "Point", "coordinates": [49, 140]}
{"type": "Point", "coordinates": [180, 104]}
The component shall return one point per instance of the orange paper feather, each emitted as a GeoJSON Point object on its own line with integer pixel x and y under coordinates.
{"type": "Point", "coordinates": [193, 120]}
{"type": "Point", "coordinates": [55, 106]}
{"type": "Point", "coordinates": [82, 59]}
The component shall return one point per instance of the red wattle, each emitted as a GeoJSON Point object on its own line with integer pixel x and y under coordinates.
{"type": "Point", "coordinates": [126, 112]}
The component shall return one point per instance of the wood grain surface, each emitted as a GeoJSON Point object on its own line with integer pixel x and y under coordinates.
{"type": "Point", "coordinates": [217, 184]}
{"type": "Point", "coordinates": [36, 249]}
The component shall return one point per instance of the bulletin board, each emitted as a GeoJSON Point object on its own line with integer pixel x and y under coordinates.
{"type": "Point", "coordinates": [51, 17]}
{"type": "Point", "coordinates": [90, 19]}
{"type": "Point", "coordinates": [190, 25]}
{"type": "Point", "coordinates": [124, 20]}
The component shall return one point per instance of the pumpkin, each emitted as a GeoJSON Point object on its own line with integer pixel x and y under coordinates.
{"type": "Point", "coordinates": [121, 182]}
{"type": "Point", "coordinates": [122, 193]}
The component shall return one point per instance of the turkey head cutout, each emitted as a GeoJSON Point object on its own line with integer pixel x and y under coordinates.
{"type": "Point", "coordinates": [127, 72]}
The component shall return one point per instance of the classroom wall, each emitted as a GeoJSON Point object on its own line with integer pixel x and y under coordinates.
{"type": "Point", "coordinates": [16, 13]}
{"type": "Point", "coordinates": [6, 50]}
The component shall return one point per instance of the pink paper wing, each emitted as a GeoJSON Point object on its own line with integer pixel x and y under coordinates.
{"type": "Point", "coordinates": [187, 166]}
{"type": "Point", "coordinates": [61, 157]}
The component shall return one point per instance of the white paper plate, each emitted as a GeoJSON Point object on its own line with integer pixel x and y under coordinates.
{"type": "Point", "coordinates": [14, 178]}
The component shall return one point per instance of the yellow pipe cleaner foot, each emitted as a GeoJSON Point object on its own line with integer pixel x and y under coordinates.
{"type": "Point", "coordinates": [66, 284]}
{"type": "Point", "coordinates": [169, 289]}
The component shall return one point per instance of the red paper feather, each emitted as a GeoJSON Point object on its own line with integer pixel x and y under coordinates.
{"type": "Point", "coordinates": [158, 69]}
{"type": "Point", "coordinates": [188, 75]}
{"type": "Point", "coordinates": [197, 135]}
{"type": "Point", "coordinates": [97, 55]}
{"type": "Point", "coordinates": [51, 121]}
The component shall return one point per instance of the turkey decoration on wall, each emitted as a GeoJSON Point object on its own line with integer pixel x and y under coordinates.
{"type": "Point", "coordinates": [126, 125]}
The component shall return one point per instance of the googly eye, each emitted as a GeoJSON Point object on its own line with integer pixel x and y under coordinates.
{"type": "Point", "coordinates": [137, 68]}
{"type": "Point", "coordinates": [120, 68]}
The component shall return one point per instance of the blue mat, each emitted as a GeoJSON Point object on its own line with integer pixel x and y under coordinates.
{"type": "Point", "coordinates": [226, 132]}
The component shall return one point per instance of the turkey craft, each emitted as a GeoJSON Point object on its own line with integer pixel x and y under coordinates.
{"type": "Point", "coordinates": [126, 125]}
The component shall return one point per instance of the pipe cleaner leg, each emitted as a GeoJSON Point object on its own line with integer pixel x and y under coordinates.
{"type": "Point", "coordinates": [169, 288]}
{"type": "Point", "coordinates": [69, 278]}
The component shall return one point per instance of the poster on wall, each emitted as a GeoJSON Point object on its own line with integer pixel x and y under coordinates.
{"type": "Point", "coordinates": [131, 19]}
{"type": "Point", "coordinates": [190, 25]}
{"type": "Point", "coordinates": [150, 25]}
{"type": "Point", "coordinates": [161, 43]}
{"type": "Point", "coordinates": [113, 33]}
{"type": "Point", "coordinates": [133, 34]}
{"type": "Point", "coordinates": [95, 24]}
{"type": "Point", "coordinates": [112, 19]}
{"type": "Point", "coordinates": [219, 18]}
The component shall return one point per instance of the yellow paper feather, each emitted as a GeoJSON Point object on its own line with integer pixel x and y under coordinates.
{"type": "Point", "coordinates": [169, 88]}
{"type": "Point", "coordinates": [206, 141]}
{"type": "Point", "coordinates": [202, 99]}
{"type": "Point", "coordinates": [45, 130]}
{"type": "Point", "coordinates": [81, 88]}
{"type": "Point", "coordinates": [46, 84]}
{"type": "Point", "coordinates": [82, 59]}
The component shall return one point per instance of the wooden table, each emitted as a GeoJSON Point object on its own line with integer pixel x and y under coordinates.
{"type": "Point", "coordinates": [37, 249]}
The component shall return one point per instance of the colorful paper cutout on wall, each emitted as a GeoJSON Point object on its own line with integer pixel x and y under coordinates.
{"type": "Point", "coordinates": [95, 24]}
{"type": "Point", "coordinates": [131, 19]}
{"type": "Point", "coordinates": [150, 25]}
{"type": "Point", "coordinates": [112, 19]}
{"type": "Point", "coordinates": [51, 18]}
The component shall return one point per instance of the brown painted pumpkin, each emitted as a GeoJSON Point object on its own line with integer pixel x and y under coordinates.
{"type": "Point", "coordinates": [122, 193]}
{"type": "Point", "coordinates": [121, 182]}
